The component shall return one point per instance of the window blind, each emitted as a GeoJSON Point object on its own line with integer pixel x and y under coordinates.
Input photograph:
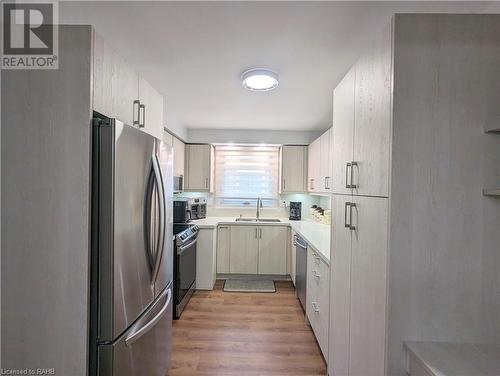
{"type": "Point", "coordinates": [243, 173]}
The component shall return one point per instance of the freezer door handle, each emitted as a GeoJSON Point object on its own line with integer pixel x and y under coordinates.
{"type": "Point", "coordinates": [134, 336]}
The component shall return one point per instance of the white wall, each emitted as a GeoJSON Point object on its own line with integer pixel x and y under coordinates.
{"type": "Point", "coordinates": [247, 136]}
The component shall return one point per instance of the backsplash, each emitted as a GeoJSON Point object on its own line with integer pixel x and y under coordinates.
{"type": "Point", "coordinates": [306, 199]}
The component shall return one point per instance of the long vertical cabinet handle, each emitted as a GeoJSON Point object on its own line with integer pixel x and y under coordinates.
{"type": "Point", "coordinates": [260, 233]}
{"type": "Point", "coordinates": [142, 108]}
{"type": "Point", "coordinates": [347, 166]}
{"type": "Point", "coordinates": [283, 183]}
{"type": "Point", "coordinates": [351, 226]}
{"type": "Point", "coordinates": [206, 183]}
{"type": "Point", "coordinates": [352, 185]}
{"type": "Point", "coordinates": [346, 225]}
{"type": "Point", "coordinates": [136, 110]}
{"type": "Point", "coordinates": [256, 233]}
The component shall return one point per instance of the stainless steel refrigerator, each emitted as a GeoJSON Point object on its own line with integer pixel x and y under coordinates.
{"type": "Point", "coordinates": [131, 279]}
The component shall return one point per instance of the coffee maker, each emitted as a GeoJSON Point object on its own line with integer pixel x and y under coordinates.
{"type": "Point", "coordinates": [295, 210]}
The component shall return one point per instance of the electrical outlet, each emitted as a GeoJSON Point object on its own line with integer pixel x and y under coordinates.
{"type": "Point", "coordinates": [283, 204]}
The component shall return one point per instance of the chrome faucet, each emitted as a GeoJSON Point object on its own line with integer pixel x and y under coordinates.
{"type": "Point", "coordinates": [259, 205]}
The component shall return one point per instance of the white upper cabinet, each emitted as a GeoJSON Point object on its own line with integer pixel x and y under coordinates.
{"type": "Point", "coordinates": [313, 168]}
{"type": "Point", "coordinates": [320, 164]}
{"type": "Point", "coordinates": [373, 119]}
{"type": "Point", "coordinates": [179, 157]}
{"type": "Point", "coordinates": [119, 92]}
{"type": "Point", "coordinates": [150, 109]}
{"type": "Point", "coordinates": [293, 169]}
{"type": "Point", "coordinates": [362, 124]}
{"type": "Point", "coordinates": [343, 130]}
{"type": "Point", "coordinates": [325, 163]}
{"type": "Point", "coordinates": [116, 84]}
{"type": "Point", "coordinates": [199, 167]}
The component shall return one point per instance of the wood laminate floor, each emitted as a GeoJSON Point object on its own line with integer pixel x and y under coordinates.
{"type": "Point", "coordinates": [249, 334]}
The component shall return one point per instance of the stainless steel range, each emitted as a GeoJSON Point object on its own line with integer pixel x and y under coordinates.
{"type": "Point", "coordinates": [185, 238]}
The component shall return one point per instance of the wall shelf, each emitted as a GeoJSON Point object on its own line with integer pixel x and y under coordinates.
{"type": "Point", "coordinates": [491, 192]}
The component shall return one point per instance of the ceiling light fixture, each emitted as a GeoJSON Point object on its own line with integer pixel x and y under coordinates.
{"type": "Point", "coordinates": [259, 79]}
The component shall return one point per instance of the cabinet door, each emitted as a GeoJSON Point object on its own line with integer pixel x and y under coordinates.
{"type": "Point", "coordinates": [293, 257]}
{"type": "Point", "coordinates": [179, 151]}
{"type": "Point", "coordinates": [223, 246]}
{"type": "Point", "coordinates": [198, 167]}
{"type": "Point", "coordinates": [325, 163]}
{"type": "Point", "coordinates": [205, 261]}
{"type": "Point", "coordinates": [373, 119]}
{"type": "Point", "coordinates": [368, 287]}
{"type": "Point", "coordinates": [116, 84]}
{"type": "Point", "coordinates": [272, 249]}
{"type": "Point", "coordinates": [343, 131]}
{"type": "Point", "coordinates": [293, 169]}
{"type": "Point", "coordinates": [340, 289]}
{"type": "Point", "coordinates": [244, 248]}
{"type": "Point", "coordinates": [151, 114]}
{"type": "Point", "coordinates": [313, 169]}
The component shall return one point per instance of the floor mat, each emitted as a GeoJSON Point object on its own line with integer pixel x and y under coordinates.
{"type": "Point", "coordinates": [241, 285]}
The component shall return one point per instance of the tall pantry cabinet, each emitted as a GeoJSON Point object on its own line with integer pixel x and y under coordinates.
{"type": "Point", "coordinates": [413, 238]}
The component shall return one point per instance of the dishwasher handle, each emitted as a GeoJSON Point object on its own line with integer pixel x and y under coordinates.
{"type": "Point", "coordinates": [299, 242]}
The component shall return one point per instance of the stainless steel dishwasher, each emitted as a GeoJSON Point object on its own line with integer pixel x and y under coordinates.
{"type": "Point", "coordinates": [300, 269]}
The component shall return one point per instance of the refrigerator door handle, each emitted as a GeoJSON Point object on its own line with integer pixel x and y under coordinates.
{"type": "Point", "coordinates": [160, 241]}
{"type": "Point", "coordinates": [134, 336]}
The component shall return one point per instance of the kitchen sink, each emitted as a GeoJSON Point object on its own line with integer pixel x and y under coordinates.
{"type": "Point", "coordinates": [243, 219]}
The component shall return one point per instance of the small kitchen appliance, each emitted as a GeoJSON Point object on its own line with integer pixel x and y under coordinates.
{"type": "Point", "coordinates": [182, 211]}
{"type": "Point", "coordinates": [295, 210]}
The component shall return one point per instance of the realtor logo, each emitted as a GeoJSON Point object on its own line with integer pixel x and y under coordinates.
{"type": "Point", "coordinates": [29, 35]}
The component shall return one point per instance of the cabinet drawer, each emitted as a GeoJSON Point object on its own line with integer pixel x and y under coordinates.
{"type": "Point", "coordinates": [318, 298]}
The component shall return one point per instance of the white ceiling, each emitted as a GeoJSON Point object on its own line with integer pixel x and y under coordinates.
{"type": "Point", "coordinates": [195, 52]}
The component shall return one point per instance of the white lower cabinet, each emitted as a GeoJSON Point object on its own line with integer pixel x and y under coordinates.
{"type": "Point", "coordinates": [358, 286]}
{"type": "Point", "coordinates": [318, 298]}
{"type": "Point", "coordinates": [292, 257]}
{"type": "Point", "coordinates": [272, 249]}
{"type": "Point", "coordinates": [206, 260]}
{"type": "Point", "coordinates": [223, 247]}
{"type": "Point", "coordinates": [244, 249]}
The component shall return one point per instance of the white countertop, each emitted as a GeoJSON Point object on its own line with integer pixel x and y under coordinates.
{"type": "Point", "coordinates": [456, 359]}
{"type": "Point", "coordinates": [316, 234]}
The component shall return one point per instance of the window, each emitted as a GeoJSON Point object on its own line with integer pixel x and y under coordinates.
{"type": "Point", "coordinates": [243, 173]}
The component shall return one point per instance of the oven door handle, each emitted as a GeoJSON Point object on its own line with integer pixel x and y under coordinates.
{"type": "Point", "coordinates": [181, 249]}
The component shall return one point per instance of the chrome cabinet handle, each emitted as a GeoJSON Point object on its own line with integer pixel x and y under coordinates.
{"type": "Point", "coordinates": [136, 106]}
{"type": "Point", "coordinates": [347, 166]}
{"type": "Point", "coordinates": [284, 184]}
{"type": "Point", "coordinates": [223, 227]}
{"type": "Point", "coordinates": [351, 226]}
{"type": "Point", "coordinates": [347, 204]}
{"type": "Point", "coordinates": [143, 108]}
{"type": "Point", "coordinates": [311, 184]}
{"type": "Point", "coordinates": [315, 307]}
{"type": "Point", "coordinates": [316, 275]}
{"type": "Point", "coordinates": [256, 234]}
{"type": "Point", "coordinates": [206, 182]}
{"type": "Point", "coordinates": [352, 185]}
{"type": "Point", "coordinates": [327, 182]}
